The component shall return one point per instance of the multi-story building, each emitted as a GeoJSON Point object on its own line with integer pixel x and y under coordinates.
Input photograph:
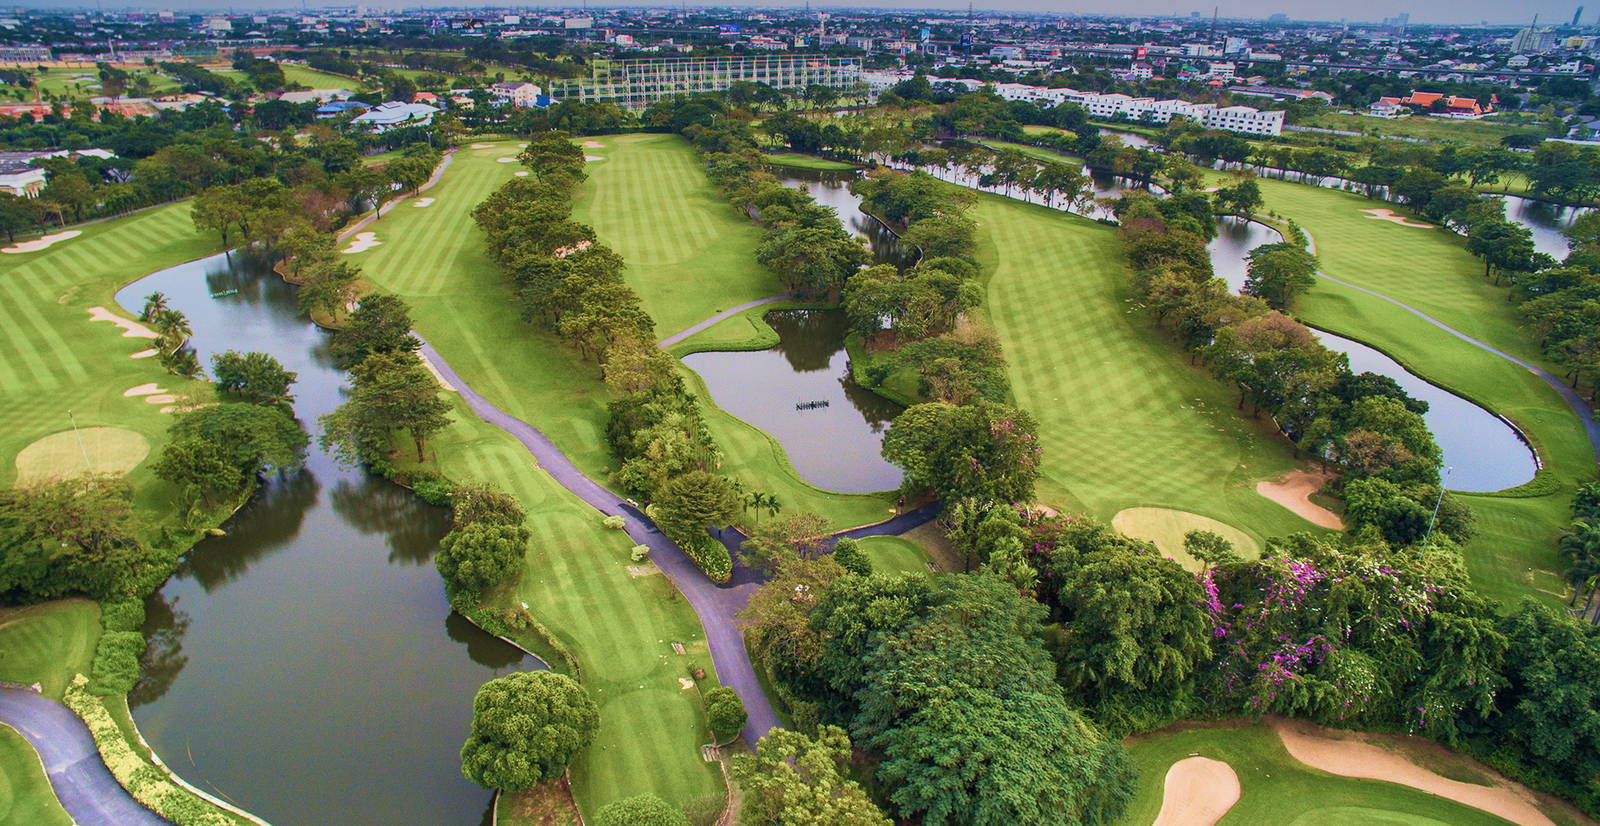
{"type": "Point", "coordinates": [24, 54]}
{"type": "Point", "coordinates": [635, 84]}
{"type": "Point", "coordinates": [517, 93]}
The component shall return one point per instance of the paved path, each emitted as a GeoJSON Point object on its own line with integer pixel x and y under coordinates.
{"type": "Point", "coordinates": [438, 172]}
{"type": "Point", "coordinates": [1575, 401]}
{"type": "Point", "coordinates": [81, 780]}
{"type": "Point", "coordinates": [733, 311]}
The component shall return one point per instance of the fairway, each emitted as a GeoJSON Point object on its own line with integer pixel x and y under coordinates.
{"type": "Point", "coordinates": [25, 793]}
{"type": "Point", "coordinates": [689, 253]}
{"type": "Point", "coordinates": [86, 450]}
{"type": "Point", "coordinates": [49, 642]}
{"type": "Point", "coordinates": [894, 555]}
{"type": "Point", "coordinates": [1276, 788]}
{"type": "Point", "coordinates": [1166, 528]}
{"type": "Point", "coordinates": [1123, 421]}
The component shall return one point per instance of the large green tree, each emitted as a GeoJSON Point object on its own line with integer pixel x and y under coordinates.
{"type": "Point", "coordinates": [526, 728]}
{"type": "Point", "coordinates": [381, 324]}
{"type": "Point", "coordinates": [985, 451]}
{"type": "Point", "coordinates": [794, 779]}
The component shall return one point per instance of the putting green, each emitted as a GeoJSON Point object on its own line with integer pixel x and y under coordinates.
{"type": "Point", "coordinates": [895, 555]}
{"type": "Point", "coordinates": [85, 450]}
{"type": "Point", "coordinates": [1166, 528]}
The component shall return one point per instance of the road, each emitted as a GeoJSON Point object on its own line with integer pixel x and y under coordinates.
{"type": "Point", "coordinates": [732, 311]}
{"type": "Point", "coordinates": [81, 780]}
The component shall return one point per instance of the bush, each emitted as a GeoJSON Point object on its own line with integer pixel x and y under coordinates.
{"type": "Point", "coordinates": [432, 488]}
{"type": "Point", "coordinates": [640, 553]}
{"type": "Point", "coordinates": [614, 522]}
{"type": "Point", "coordinates": [711, 556]}
{"type": "Point", "coordinates": [116, 662]}
{"type": "Point", "coordinates": [123, 615]}
{"type": "Point", "coordinates": [725, 712]}
{"type": "Point", "coordinates": [640, 810]}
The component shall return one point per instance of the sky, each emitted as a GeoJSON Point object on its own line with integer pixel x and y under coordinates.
{"type": "Point", "coordinates": [1555, 12]}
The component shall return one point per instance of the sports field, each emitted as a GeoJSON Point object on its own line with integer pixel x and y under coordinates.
{"type": "Point", "coordinates": [25, 793]}
{"type": "Point", "coordinates": [47, 643]}
{"type": "Point", "coordinates": [802, 161]}
{"type": "Point", "coordinates": [690, 255]}
{"type": "Point", "coordinates": [1514, 552]}
{"type": "Point", "coordinates": [1123, 420]}
{"type": "Point", "coordinates": [1276, 788]}
{"type": "Point", "coordinates": [895, 555]}
{"type": "Point", "coordinates": [1447, 130]}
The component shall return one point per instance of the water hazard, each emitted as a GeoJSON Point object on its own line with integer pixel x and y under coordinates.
{"type": "Point", "coordinates": [306, 666]}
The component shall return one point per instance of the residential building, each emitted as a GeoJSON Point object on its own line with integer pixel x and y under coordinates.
{"type": "Point", "coordinates": [339, 108]}
{"type": "Point", "coordinates": [24, 54]}
{"type": "Point", "coordinates": [1533, 41]}
{"type": "Point", "coordinates": [21, 178]}
{"type": "Point", "coordinates": [637, 83]}
{"type": "Point", "coordinates": [395, 115]}
{"type": "Point", "coordinates": [517, 93]}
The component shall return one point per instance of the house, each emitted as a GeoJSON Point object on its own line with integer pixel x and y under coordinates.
{"type": "Point", "coordinates": [395, 115]}
{"type": "Point", "coordinates": [517, 93]}
{"type": "Point", "coordinates": [339, 108]}
{"type": "Point", "coordinates": [21, 178]}
{"type": "Point", "coordinates": [1387, 108]}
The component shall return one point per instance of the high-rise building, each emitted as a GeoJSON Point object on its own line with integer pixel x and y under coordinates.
{"type": "Point", "coordinates": [1576, 15]}
{"type": "Point", "coordinates": [1533, 41]}
{"type": "Point", "coordinates": [638, 83]}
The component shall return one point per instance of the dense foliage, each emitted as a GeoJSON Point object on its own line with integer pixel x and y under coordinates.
{"type": "Point", "coordinates": [526, 728]}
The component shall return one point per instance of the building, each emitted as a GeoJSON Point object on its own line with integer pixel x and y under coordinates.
{"type": "Point", "coordinates": [20, 178]}
{"type": "Point", "coordinates": [339, 108]}
{"type": "Point", "coordinates": [1140, 71]}
{"type": "Point", "coordinates": [315, 96]}
{"type": "Point", "coordinates": [1281, 93]}
{"type": "Point", "coordinates": [637, 83]}
{"type": "Point", "coordinates": [24, 54]}
{"type": "Point", "coordinates": [1533, 41]}
{"type": "Point", "coordinates": [517, 93]}
{"type": "Point", "coordinates": [1436, 103]}
{"type": "Point", "coordinates": [395, 115]}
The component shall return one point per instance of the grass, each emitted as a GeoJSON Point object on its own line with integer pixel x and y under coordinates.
{"type": "Point", "coordinates": [65, 82]}
{"type": "Point", "coordinates": [109, 450]}
{"type": "Point", "coordinates": [895, 555]}
{"type": "Point", "coordinates": [1276, 788]}
{"type": "Point", "coordinates": [1166, 529]}
{"type": "Point", "coordinates": [47, 643]}
{"type": "Point", "coordinates": [1123, 421]}
{"type": "Point", "coordinates": [802, 161]}
{"type": "Point", "coordinates": [1444, 130]}
{"type": "Point", "coordinates": [314, 79]}
{"type": "Point", "coordinates": [1513, 554]}
{"type": "Point", "coordinates": [25, 793]}
{"type": "Point", "coordinates": [689, 254]}
{"type": "Point", "coordinates": [576, 580]}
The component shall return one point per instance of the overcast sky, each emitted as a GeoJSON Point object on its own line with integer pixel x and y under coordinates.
{"type": "Point", "coordinates": [1421, 11]}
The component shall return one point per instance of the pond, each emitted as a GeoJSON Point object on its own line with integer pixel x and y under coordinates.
{"type": "Point", "coordinates": [1483, 451]}
{"type": "Point", "coordinates": [1545, 220]}
{"type": "Point", "coordinates": [801, 393]}
{"type": "Point", "coordinates": [306, 666]}
{"type": "Point", "coordinates": [832, 189]}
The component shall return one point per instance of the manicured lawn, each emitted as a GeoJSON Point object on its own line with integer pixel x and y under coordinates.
{"type": "Point", "coordinates": [48, 643]}
{"type": "Point", "coordinates": [1427, 128]}
{"type": "Point", "coordinates": [576, 580]}
{"type": "Point", "coordinates": [314, 79]}
{"type": "Point", "coordinates": [25, 793]}
{"type": "Point", "coordinates": [800, 161]}
{"type": "Point", "coordinates": [895, 555]}
{"type": "Point", "coordinates": [1513, 554]}
{"type": "Point", "coordinates": [1123, 420]}
{"type": "Point", "coordinates": [54, 359]}
{"type": "Point", "coordinates": [1276, 788]}
{"type": "Point", "coordinates": [689, 253]}
{"type": "Point", "coordinates": [1038, 153]}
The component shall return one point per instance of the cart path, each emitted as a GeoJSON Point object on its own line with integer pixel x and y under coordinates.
{"type": "Point", "coordinates": [728, 313]}
{"type": "Point", "coordinates": [80, 778]}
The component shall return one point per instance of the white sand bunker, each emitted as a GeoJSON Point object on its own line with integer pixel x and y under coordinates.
{"type": "Point", "coordinates": [522, 174]}
{"type": "Point", "coordinates": [506, 159]}
{"type": "Point", "coordinates": [42, 242]}
{"type": "Point", "coordinates": [422, 202]}
{"type": "Point", "coordinates": [1312, 746]}
{"type": "Point", "coordinates": [482, 146]}
{"type": "Point", "coordinates": [593, 145]}
{"type": "Point", "coordinates": [130, 328]}
{"type": "Point", "coordinates": [144, 354]}
{"type": "Point", "coordinates": [362, 242]}
{"type": "Point", "coordinates": [647, 569]}
{"type": "Point", "coordinates": [160, 398]}
{"type": "Point", "coordinates": [1198, 792]}
{"type": "Point", "coordinates": [1388, 215]}
{"type": "Point", "coordinates": [437, 376]}
{"type": "Point", "coordinates": [84, 450]}
{"type": "Point", "coordinates": [593, 158]}
{"type": "Point", "coordinates": [1294, 491]}
{"type": "Point", "coordinates": [143, 389]}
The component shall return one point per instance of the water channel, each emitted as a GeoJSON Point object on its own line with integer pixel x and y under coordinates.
{"type": "Point", "coordinates": [1482, 450]}
{"type": "Point", "coordinates": [306, 666]}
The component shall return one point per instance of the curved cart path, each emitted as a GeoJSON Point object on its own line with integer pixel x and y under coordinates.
{"type": "Point", "coordinates": [728, 313]}
{"type": "Point", "coordinates": [81, 780]}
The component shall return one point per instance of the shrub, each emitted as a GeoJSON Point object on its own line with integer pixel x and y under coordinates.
{"type": "Point", "coordinates": [123, 615]}
{"type": "Point", "coordinates": [431, 488]}
{"type": "Point", "coordinates": [725, 712]}
{"type": "Point", "coordinates": [480, 556]}
{"type": "Point", "coordinates": [640, 553]}
{"type": "Point", "coordinates": [711, 556]}
{"type": "Point", "coordinates": [614, 522]}
{"type": "Point", "coordinates": [116, 662]}
{"type": "Point", "coordinates": [640, 810]}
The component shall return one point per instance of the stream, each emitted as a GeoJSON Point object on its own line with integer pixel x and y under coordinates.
{"type": "Point", "coordinates": [306, 666]}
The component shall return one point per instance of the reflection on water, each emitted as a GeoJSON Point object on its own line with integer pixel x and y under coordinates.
{"type": "Point", "coordinates": [1545, 220]}
{"type": "Point", "coordinates": [306, 665]}
{"type": "Point", "coordinates": [832, 189]}
{"type": "Point", "coordinates": [1230, 250]}
{"type": "Point", "coordinates": [834, 446]}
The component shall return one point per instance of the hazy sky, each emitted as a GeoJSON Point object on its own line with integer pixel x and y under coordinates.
{"type": "Point", "coordinates": [1422, 11]}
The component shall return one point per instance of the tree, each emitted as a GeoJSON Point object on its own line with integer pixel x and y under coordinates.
{"type": "Point", "coordinates": [74, 535]}
{"type": "Point", "coordinates": [725, 714]}
{"type": "Point", "coordinates": [381, 324]}
{"type": "Point", "coordinates": [1278, 273]}
{"type": "Point", "coordinates": [198, 466]}
{"type": "Point", "coordinates": [409, 173]}
{"type": "Point", "coordinates": [640, 810]}
{"type": "Point", "coordinates": [850, 556]}
{"type": "Point", "coordinates": [1208, 548]}
{"type": "Point", "coordinates": [526, 728]}
{"type": "Point", "coordinates": [815, 260]}
{"type": "Point", "coordinates": [984, 451]}
{"type": "Point", "coordinates": [480, 556]}
{"type": "Point", "coordinates": [257, 378]}
{"type": "Point", "coordinates": [253, 439]}
{"type": "Point", "coordinates": [393, 391]}
{"type": "Point", "coordinates": [474, 503]}
{"type": "Point", "coordinates": [943, 236]}
{"type": "Point", "coordinates": [777, 540]}
{"type": "Point", "coordinates": [221, 209]}
{"type": "Point", "coordinates": [794, 779]}
{"type": "Point", "coordinates": [1242, 198]}
{"type": "Point", "coordinates": [695, 502]}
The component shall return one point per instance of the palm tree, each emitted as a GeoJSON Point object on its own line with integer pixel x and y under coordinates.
{"type": "Point", "coordinates": [155, 304]}
{"type": "Point", "coordinates": [1581, 543]}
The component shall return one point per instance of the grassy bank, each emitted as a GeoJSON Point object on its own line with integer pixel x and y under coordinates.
{"type": "Point", "coordinates": [796, 160]}
{"type": "Point", "coordinates": [25, 793]}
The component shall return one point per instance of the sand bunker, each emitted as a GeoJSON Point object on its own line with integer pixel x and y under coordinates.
{"type": "Point", "coordinates": [1359, 758]}
{"type": "Point", "coordinates": [685, 683]}
{"type": "Point", "coordinates": [108, 450]}
{"type": "Point", "coordinates": [647, 569]}
{"type": "Point", "coordinates": [593, 158]}
{"type": "Point", "coordinates": [422, 202]}
{"type": "Point", "coordinates": [1388, 215]}
{"type": "Point", "coordinates": [42, 242]}
{"type": "Point", "coordinates": [506, 159]}
{"type": "Point", "coordinates": [522, 174]}
{"type": "Point", "coordinates": [482, 145]}
{"type": "Point", "coordinates": [144, 354]}
{"type": "Point", "coordinates": [160, 398]}
{"type": "Point", "coordinates": [437, 376]}
{"type": "Point", "coordinates": [593, 145]}
{"type": "Point", "coordinates": [143, 389]}
{"type": "Point", "coordinates": [1166, 528]}
{"type": "Point", "coordinates": [1199, 791]}
{"type": "Point", "coordinates": [1294, 491]}
{"type": "Point", "coordinates": [362, 242]}
{"type": "Point", "coordinates": [130, 328]}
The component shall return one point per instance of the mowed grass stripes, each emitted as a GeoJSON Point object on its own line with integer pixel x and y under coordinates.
{"type": "Point", "coordinates": [1123, 422]}
{"type": "Point", "coordinates": [576, 580]}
